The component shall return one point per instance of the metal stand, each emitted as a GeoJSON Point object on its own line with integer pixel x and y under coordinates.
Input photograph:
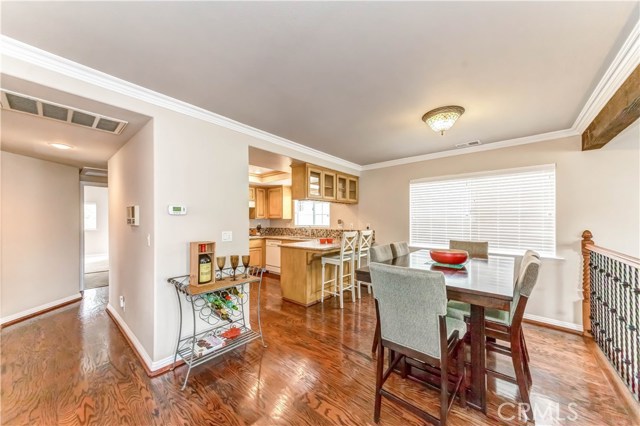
{"type": "Point", "coordinates": [236, 293]}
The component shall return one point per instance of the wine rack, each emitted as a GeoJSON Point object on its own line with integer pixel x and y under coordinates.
{"type": "Point", "coordinates": [220, 308]}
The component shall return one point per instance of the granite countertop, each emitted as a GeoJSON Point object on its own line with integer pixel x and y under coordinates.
{"type": "Point", "coordinates": [279, 237]}
{"type": "Point", "coordinates": [313, 245]}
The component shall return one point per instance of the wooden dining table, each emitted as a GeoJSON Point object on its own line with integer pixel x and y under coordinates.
{"type": "Point", "coordinates": [482, 283]}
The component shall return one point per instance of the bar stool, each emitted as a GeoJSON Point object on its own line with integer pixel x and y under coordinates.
{"type": "Point", "coordinates": [347, 254]}
{"type": "Point", "coordinates": [364, 245]}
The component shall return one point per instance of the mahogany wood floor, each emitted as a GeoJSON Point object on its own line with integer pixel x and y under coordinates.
{"type": "Point", "coordinates": [72, 366]}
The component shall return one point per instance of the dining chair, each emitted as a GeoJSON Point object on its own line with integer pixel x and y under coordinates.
{"type": "Point", "coordinates": [400, 249]}
{"type": "Point", "coordinates": [476, 249]}
{"type": "Point", "coordinates": [380, 253]}
{"type": "Point", "coordinates": [347, 255]}
{"type": "Point", "coordinates": [507, 326]}
{"type": "Point", "coordinates": [364, 245]}
{"type": "Point", "coordinates": [419, 331]}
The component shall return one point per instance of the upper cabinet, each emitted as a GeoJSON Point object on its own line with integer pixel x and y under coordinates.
{"type": "Point", "coordinates": [271, 202]}
{"type": "Point", "coordinates": [310, 182]}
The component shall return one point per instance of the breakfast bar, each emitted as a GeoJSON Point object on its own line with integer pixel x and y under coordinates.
{"type": "Point", "coordinates": [301, 270]}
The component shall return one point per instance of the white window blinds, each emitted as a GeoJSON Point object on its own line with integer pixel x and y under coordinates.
{"type": "Point", "coordinates": [514, 210]}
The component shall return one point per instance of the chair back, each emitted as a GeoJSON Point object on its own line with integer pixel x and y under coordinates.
{"type": "Point", "coordinates": [524, 287]}
{"type": "Point", "coordinates": [476, 249]}
{"type": "Point", "coordinates": [380, 253]}
{"type": "Point", "coordinates": [348, 243]}
{"type": "Point", "coordinates": [410, 302]}
{"type": "Point", "coordinates": [365, 241]}
{"type": "Point", "coordinates": [400, 249]}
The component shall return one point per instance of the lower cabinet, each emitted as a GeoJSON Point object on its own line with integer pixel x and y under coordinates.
{"type": "Point", "coordinates": [256, 253]}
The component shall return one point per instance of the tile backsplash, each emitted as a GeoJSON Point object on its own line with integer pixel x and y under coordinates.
{"type": "Point", "coordinates": [304, 232]}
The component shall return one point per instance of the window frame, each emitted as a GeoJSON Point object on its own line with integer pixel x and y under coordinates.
{"type": "Point", "coordinates": [315, 215]}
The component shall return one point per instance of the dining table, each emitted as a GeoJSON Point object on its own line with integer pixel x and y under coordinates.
{"type": "Point", "coordinates": [483, 284]}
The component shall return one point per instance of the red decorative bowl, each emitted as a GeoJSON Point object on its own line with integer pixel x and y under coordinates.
{"type": "Point", "coordinates": [329, 240]}
{"type": "Point", "coordinates": [323, 241]}
{"type": "Point", "coordinates": [449, 256]}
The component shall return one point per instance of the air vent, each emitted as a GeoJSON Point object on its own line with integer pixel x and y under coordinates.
{"type": "Point", "coordinates": [91, 171]}
{"type": "Point", "coordinates": [21, 103]}
{"type": "Point", "coordinates": [468, 144]}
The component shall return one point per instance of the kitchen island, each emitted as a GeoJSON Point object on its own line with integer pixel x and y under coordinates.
{"type": "Point", "coordinates": [301, 270]}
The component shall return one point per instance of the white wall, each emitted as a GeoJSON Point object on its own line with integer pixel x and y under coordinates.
{"type": "Point", "coordinates": [597, 190]}
{"type": "Point", "coordinates": [40, 233]}
{"type": "Point", "coordinates": [96, 242]}
{"type": "Point", "coordinates": [131, 259]}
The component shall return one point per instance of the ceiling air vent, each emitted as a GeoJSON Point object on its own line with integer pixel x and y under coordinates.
{"type": "Point", "coordinates": [468, 144]}
{"type": "Point", "coordinates": [22, 103]}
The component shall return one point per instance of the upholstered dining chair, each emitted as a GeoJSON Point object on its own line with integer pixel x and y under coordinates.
{"type": "Point", "coordinates": [400, 249]}
{"type": "Point", "coordinates": [380, 253]}
{"type": "Point", "coordinates": [476, 249]}
{"type": "Point", "coordinates": [419, 331]}
{"type": "Point", "coordinates": [507, 326]}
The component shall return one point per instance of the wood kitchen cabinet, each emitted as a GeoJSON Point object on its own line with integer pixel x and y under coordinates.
{"type": "Point", "coordinates": [260, 209]}
{"type": "Point", "coordinates": [256, 253]}
{"type": "Point", "coordinates": [252, 193]}
{"type": "Point", "coordinates": [310, 182]}
{"type": "Point", "coordinates": [279, 202]}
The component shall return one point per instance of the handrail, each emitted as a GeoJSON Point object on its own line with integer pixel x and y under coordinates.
{"type": "Point", "coordinates": [620, 257]}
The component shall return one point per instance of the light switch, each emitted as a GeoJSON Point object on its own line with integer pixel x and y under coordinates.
{"type": "Point", "coordinates": [227, 236]}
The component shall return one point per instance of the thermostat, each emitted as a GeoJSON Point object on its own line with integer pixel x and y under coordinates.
{"type": "Point", "coordinates": [177, 210]}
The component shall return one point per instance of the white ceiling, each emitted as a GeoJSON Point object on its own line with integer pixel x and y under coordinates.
{"type": "Point", "coordinates": [348, 78]}
{"type": "Point", "coordinates": [31, 135]}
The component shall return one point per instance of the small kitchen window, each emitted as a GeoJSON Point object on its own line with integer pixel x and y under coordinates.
{"type": "Point", "coordinates": [312, 213]}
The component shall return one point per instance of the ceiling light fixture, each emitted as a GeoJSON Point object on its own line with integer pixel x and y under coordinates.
{"type": "Point", "coordinates": [443, 118]}
{"type": "Point", "coordinates": [60, 146]}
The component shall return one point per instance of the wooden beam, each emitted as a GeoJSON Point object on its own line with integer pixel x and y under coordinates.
{"type": "Point", "coordinates": [622, 109]}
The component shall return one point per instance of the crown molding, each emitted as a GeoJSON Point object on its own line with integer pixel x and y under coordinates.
{"type": "Point", "coordinates": [625, 61]}
{"type": "Point", "coordinates": [621, 67]}
{"type": "Point", "coordinates": [41, 58]}
{"type": "Point", "coordinates": [478, 148]}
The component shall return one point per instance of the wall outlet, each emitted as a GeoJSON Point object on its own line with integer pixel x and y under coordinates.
{"type": "Point", "coordinates": [122, 304]}
{"type": "Point", "coordinates": [227, 236]}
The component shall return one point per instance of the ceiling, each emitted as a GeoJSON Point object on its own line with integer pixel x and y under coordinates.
{"type": "Point", "coordinates": [31, 135]}
{"type": "Point", "coordinates": [351, 79]}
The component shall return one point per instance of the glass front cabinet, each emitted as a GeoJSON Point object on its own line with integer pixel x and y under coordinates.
{"type": "Point", "coordinates": [310, 182]}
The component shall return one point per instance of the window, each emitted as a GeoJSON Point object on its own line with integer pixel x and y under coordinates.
{"type": "Point", "coordinates": [513, 209]}
{"type": "Point", "coordinates": [90, 217]}
{"type": "Point", "coordinates": [311, 213]}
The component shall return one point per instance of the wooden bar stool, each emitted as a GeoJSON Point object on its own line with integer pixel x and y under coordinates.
{"type": "Point", "coordinates": [347, 254]}
{"type": "Point", "coordinates": [364, 245]}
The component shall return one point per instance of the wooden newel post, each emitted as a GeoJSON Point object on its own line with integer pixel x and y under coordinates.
{"type": "Point", "coordinates": [586, 283]}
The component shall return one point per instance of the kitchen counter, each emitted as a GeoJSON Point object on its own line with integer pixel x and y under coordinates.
{"type": "Point", "coordinates": [301, 270]}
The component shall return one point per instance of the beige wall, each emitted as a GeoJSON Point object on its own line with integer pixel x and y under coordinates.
{"type": "Point", "coordinates": [96, 242]}
{"type": "Point", "coordinates": [40, 233]}
{"type": "Point", "coordinates": [596, 190]}
{"type": "Point", "coordinates": [131, 272]}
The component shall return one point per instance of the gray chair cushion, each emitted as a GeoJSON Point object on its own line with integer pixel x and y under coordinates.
{"type": "Point", "coordinates": [410, 302]}
{"type": "Point", "coordinates": [476, 249]}
{"type": "Point", "coordinates": [400, 249]}
{"type": "Point", "coordinates": [380, 253]}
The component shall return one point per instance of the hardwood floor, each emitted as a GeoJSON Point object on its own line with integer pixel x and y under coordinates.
{"type": "Point", "coordinates": [73, 366]}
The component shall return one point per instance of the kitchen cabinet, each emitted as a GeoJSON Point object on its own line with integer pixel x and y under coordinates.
{"type": "Point", "coordinates": [310, 182]}
{"type": "Point", "coordinates": [279, 202]}
{"type": "Point", "coordinates": [256, 253]}
{"type": "Point", "coordinates": [260, 209]}
{"type": "Point", "coordinates": [252, 193]}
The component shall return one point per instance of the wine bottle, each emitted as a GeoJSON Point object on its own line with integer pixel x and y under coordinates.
{"type": "Point", "coordinates": [204, 269]}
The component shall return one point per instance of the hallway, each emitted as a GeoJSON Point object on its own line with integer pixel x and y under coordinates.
{"type": "Point", "coordinates": [72, 366]}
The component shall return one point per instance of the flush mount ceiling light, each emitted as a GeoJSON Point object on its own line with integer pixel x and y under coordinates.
{"type": "Point", "coordinates": [442, 119]}
{"type": "Point", "coordinates": [60, 146]}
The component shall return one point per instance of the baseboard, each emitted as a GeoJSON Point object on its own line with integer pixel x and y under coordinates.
{"type": "Point", "coordinates": [568, 327]}
{"type": "Point", "coordinates": [38, 310]}
{"type": "Point", "coordinates": [616, 382]}
{"type": "Point", "coordinates": [152, 368]}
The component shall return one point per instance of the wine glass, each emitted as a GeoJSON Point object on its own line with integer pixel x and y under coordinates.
{"type": "Point", "coordinates": [235, 259]}
{"type": "Point", "coordinates": [221, 260]}
{"type": "Point", "coordinates": [245, 263]}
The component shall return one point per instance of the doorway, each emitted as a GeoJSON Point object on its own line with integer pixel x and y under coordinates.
{"type": "Point", "coordinates": [95, 247]}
